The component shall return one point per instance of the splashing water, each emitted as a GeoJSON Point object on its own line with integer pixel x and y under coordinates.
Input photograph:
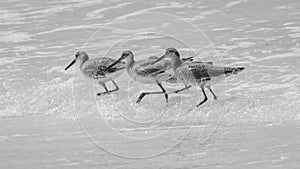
{"type": "Point", "coordinates": [33, 57]}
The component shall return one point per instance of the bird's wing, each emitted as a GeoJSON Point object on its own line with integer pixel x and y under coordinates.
{"type": "Point", "coordinates": [205, 71]}
{"type": "Point", "coordinates": [92, 72]}
{"type": "Point", "coordinates": [199, 62]}
{"type": "Point", "coordinates": [104, 62]}
{"type": "Point", "coordinates": [146, 68]}
{"type": "Point", "coordinates": [187, 59]}
{"type": "Point", "coordinates": [153, 57]}
{"type": "Point", "coordinates": [95, 67]}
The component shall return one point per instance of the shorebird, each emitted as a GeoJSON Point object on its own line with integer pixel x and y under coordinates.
{"type": "Point", "coordinates": [197, 73]}
{"type": "Point", "coordinates": [146, 72]}
{"type": "Point", "coordinates": [96, 69]}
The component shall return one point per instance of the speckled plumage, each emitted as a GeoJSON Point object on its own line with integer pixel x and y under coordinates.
{"type": "Point", "coordinates": [160, 71]}
{"type": "Point", "coordinates": [96, 69]}
{"type": "Point", "coordinates": [204, 73]}
{"type": "Point", "coordinates": [176, 79]}
{"type": "Point", "coordinates": [145, 72]}
{"type": "Point", "coordinates": [197, 73]}
{"type": "Point", "coordinates": [144, 69]}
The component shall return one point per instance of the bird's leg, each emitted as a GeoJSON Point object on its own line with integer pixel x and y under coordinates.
{"type": "Point", "coordinates": [185, 88]}
{"type": "Point", "coordinates": [106, 90]}
{"type": "Point", "coordinates": [116, 86]}
{"type": "Point", "coordinates": [162, 88]}
{"type": "Point", "coordinates": [142, 95]}
{"type": "Point", "coordinates": [205, 97]}
{"type": "Point", "coordinates": [211, 91]}
{"type": "Point", "coordinates": [109, 91]}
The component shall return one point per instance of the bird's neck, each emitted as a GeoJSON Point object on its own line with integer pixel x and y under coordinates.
{"type": "Point", "coordinates": [176, 62]}
{"type": "Point", "coordinates": [129, 63]}
{"type": "Point", "coordinates": [81, 63]}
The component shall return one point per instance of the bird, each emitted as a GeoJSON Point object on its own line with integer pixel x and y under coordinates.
{"type": "Point", "coordinates": [95, 69]}
{"type": "Point", "coordinates": [146, 73]}
{"type": "Point", "coordinates": [197, 73]}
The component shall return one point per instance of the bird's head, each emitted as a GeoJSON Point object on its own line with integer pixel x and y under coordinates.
{"type": "Point", "coordinates": [125, 55]}
{"type": "Point", "coordinates": [79, 56]}
{"type": "Point", "coordinates": [169, 53]}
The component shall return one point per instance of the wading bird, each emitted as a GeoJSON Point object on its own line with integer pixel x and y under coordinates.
{"type": "Point", "coordinates": [147, 73]}
{"type": "Point", "coordinates": [197, 73]}
{"type": "Point", "coordinates": [96, 69]}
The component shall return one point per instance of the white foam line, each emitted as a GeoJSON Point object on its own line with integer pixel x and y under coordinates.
{"type": "Point", "coordinates": [234, 3]}
{"type": "Point", "coordinates": [138, 12]}
{"type": "Point", "coordinates": [278, 56]}
{"type": "Point", "coordinates": [94, 26]}
{"type": "Point", "coordinates": [97, 12]}
{"type": "Point", "coordinates": [161, 128]}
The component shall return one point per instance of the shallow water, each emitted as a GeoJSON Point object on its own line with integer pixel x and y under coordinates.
{"type": "Point", "coordinates": [39, 39]}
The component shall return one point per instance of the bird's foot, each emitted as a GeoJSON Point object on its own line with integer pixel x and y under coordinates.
{"type": "Point", "coordinates": [102, 93]}
{"type": "Point", "coordinates": [140, 98]}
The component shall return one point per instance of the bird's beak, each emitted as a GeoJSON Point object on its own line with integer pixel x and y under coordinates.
{"type": "Point", "coordinates": [113, 64]}
{"type": "Point", "coordinates": [74, 61]}
{"type": "Point", "coordinates": [159, 59]}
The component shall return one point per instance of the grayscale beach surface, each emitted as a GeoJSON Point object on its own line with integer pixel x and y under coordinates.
{"type": "Point", "coordinates": [52, 118]}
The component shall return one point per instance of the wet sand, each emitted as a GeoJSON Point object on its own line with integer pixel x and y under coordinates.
{"type": "Point", "coordinates": [46, 142]}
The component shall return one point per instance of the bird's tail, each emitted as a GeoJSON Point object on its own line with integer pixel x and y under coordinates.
{"type": "Point", "coordinates": [192, 59]}
{"type": "Point", "coordinates": [233, 70]}
{"type": "Point", "coordinates": [188, 59]}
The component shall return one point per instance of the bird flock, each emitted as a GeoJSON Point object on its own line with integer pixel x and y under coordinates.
{"type": "Point", "coordinates": [170, 68]}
